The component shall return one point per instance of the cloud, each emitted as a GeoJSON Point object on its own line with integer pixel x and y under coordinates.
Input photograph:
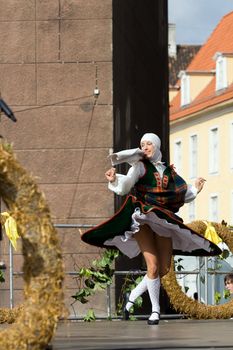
{"type": "Point", "coordinates": [196, 19]}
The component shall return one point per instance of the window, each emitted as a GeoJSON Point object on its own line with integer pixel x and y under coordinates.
{"type": "Point", "coordinates": [191, 211]}
{"type": "Point", "coordinates": [221, 72]}
{"type": "Point", "coordinates": [231, 213]}
{"type": "Point", "coordinates": [185, 89]}
{"type": "Point", "coordinates": [178, 156]}
{"type": "Point", "coordinates": [213, 208]}
{"type": "Point", "coordinates": [213, 151]}
{"type": "Point", "coordinates": [193, 156]}
{"type": "Point", "coordinates": [231, 145]}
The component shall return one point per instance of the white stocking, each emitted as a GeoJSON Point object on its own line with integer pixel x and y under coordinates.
{"type": "Point", "coordinates": [136, 292]}
{"type": "Point", "coordinates": [153, 287]}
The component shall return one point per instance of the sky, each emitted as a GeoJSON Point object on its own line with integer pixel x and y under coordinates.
{"type": "Point", "coordinates": [196, 19]}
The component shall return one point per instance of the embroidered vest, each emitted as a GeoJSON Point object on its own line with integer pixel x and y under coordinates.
{"type": "Point", "coordinates": [167, 192]}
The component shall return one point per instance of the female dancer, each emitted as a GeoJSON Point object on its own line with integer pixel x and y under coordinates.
{"type": "Point", "coordinates": [147, 222]}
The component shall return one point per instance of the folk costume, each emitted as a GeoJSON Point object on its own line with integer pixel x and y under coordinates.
{"type": "Point", "coordinates": [155, 194]}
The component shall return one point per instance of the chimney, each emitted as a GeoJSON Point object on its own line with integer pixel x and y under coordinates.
{"type": "Point", "coordinates": [172, 40]}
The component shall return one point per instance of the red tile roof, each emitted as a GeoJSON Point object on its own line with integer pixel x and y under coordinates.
{"type": "Point", "coordinates": [221, 40]}
{"type": "Point", "coordinates": [184, 55]}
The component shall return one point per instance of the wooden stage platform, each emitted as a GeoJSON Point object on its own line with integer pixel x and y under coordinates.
{"type": "Point", "coordinates": [169, 334]}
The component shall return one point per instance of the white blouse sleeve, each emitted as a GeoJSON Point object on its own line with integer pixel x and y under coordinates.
{"type": "Point", "coordinates": [191, 194]}
{"type": "Point", "coordinates": [123, 183]}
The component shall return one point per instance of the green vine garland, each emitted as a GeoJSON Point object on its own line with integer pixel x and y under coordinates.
{"type": "Point", "coordinates": [97, 277]}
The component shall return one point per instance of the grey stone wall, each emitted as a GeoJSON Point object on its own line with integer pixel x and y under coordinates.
{"type": "Point", "coordinates": [54, 53]}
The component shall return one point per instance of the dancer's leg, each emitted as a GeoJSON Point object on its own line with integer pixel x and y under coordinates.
{"type": "Point", "coordinates": [164, 248]}
{"type": "Point", "coordinates": [136, 292]}
{"type": "Point", "coordinates": [153, 286]}
{"type": "Point", "coordinates": [147, 242]}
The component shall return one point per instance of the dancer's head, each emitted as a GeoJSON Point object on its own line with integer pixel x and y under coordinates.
{"type": "Point", "coordinates": [150, 144]}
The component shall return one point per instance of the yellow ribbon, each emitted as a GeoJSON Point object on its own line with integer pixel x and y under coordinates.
{"type": "Point", "coordinates": [211, 234]}
{"type": "Point", "coordinates": [10, 228]}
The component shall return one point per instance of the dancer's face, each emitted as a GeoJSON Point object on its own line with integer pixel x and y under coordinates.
{"type": "Point", "coordinates": [148, 148]}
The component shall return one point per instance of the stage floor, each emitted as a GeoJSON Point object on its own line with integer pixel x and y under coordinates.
{"type": "Point", "coordinates": [169, 334]}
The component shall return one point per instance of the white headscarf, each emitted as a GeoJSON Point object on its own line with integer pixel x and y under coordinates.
{"type": "Point", "coordinates": [157, 156]}
{"type": "Point", "coordinates": [132, 156]}
{"type": "Point", "coordinates": [129, 156]}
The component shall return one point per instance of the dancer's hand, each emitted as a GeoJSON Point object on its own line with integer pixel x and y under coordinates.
{"type": "Point", "coordinates": [111, 175]}
{"type": "Point", "coordinates": [199, 183]}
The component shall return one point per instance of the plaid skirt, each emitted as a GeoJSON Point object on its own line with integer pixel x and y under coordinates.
{"type": "Point", "coordinates": [118, 231]}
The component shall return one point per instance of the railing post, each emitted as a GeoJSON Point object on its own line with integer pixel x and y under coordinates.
{"type": "Point", "coordinates": [199, 279]}
{"type": "Point", "coordinates": [109, 309]}
{"type": "Point", "coordinates": [206, 280]}
{"type": "Point", "coordinates": [11, 275]}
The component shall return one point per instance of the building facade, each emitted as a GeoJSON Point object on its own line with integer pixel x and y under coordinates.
{"type": "Point", "coordinates": [81, 77]}
{"type": "Point", "coordinates": [201, 138]}
{"type": "Point", "coordinates": [201, 116]}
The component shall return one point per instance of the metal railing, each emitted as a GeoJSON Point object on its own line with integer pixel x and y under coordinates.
{"type": "Point", "coordinates": [18, 273]}
{"type": "Point", "coordinates": [13, 273]}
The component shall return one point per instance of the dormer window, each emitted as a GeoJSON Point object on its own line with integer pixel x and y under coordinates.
{"type": "Point", "coordinates": [185, 89]}
{"type": "Point", "coordinates": [221, 72]}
